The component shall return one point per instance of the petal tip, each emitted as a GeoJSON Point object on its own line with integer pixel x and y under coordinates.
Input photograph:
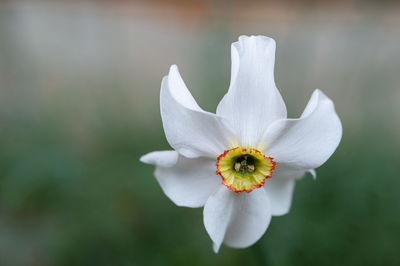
{"type": "Point", "coordinates": [256, 37]}
{"type": "Point", "coordinates": [216, 248]}
{"type": "Point", "coordinates": [173, 67]}
{"type": "Point", "coordinates": [313, 173]}
{"type": "Point", "coordinates": [146, 158]}
{"type": "Point", "coordinates": [320, 94]}
{"type": "Point", "coordinates": [258, 41]}
{"type": "Point", "coordinates": [160, 158]}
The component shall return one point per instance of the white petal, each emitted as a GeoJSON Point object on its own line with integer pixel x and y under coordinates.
{"type": "Point", "coordinates": [280, 188]}
{"type": "Point", "coordinates": [280, 193]}
{"type": "Point", "coordinates": [237, 220]}
{"type": "Point", "coordinates": [189, 130]}
{"type": "Point", "coordinates": [307, 142]}
{"type": "Point", "coordinates": [253, 101]}
{"type": "Point", "coordinates": [313, 173]}
{"type": "Point", "coordinates": [160, 158]}
{"type": "Point", "coordinates": [190, 182]}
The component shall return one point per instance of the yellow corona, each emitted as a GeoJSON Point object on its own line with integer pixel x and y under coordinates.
{"type": "Point", "coordinates": [244, 169]}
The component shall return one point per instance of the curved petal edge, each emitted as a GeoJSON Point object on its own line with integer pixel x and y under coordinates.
{"type": "Point", "coordinates": [160, 158]}
{"type": "Point", "coordinates": [308, 142]}
{"type": "Point", "coordinates": [189, 130]}
{"type": "Point", "coordinates": [238, 220]}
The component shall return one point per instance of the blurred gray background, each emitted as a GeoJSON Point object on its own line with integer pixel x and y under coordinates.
{"type": "Point", "coordinates": [79, 104]}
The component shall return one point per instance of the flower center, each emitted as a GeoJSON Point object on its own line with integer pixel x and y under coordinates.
{"type": "Point", "coordinates": [245, 164]}
{"type": "Point", "coordinates": [244, 169]}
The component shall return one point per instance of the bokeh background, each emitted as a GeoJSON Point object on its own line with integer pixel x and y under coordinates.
{"type": "Point", "coordinates": [79, 104]}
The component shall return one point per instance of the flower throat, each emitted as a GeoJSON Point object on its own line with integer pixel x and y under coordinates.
{"type": "Point", "coordinates": [245, 164]}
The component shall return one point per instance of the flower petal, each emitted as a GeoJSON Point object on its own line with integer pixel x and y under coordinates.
{"type": "Point", "coordinates": [160, 158]}
{"type": "Point", "coordinates": [253, 101]}
{"type": "Point", "coordinates": [238, 220]}
{"type": "Point", "coordinates": [280, 188]}
{"type": "Point", "coordinates": [307, 142]}
{"type": "Point", "coordinates": [280, 193]}
{"type": "Point", "coordinates": [190, 182]}
{"type": "Point", "coordinates": [313, 173]}
{"type": "Point", "coordinates": [190, 130]}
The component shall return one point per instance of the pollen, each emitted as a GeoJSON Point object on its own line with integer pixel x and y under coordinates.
{"type": "Point", "coordinates": [244, 169]}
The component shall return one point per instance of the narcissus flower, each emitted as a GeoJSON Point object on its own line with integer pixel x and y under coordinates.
{"type": "Point", "coordinates": [241, 163]}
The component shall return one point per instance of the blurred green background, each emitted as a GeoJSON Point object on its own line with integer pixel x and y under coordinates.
{"type": "Point", "coordinates": [79, 104]}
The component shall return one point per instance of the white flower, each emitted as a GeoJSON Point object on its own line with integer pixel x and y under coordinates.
{"type": "Point", "coordinates": [249, 143]}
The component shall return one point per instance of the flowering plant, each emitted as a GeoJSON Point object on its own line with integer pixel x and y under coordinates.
{"type": "Point", "coordinates": [241, 163]}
